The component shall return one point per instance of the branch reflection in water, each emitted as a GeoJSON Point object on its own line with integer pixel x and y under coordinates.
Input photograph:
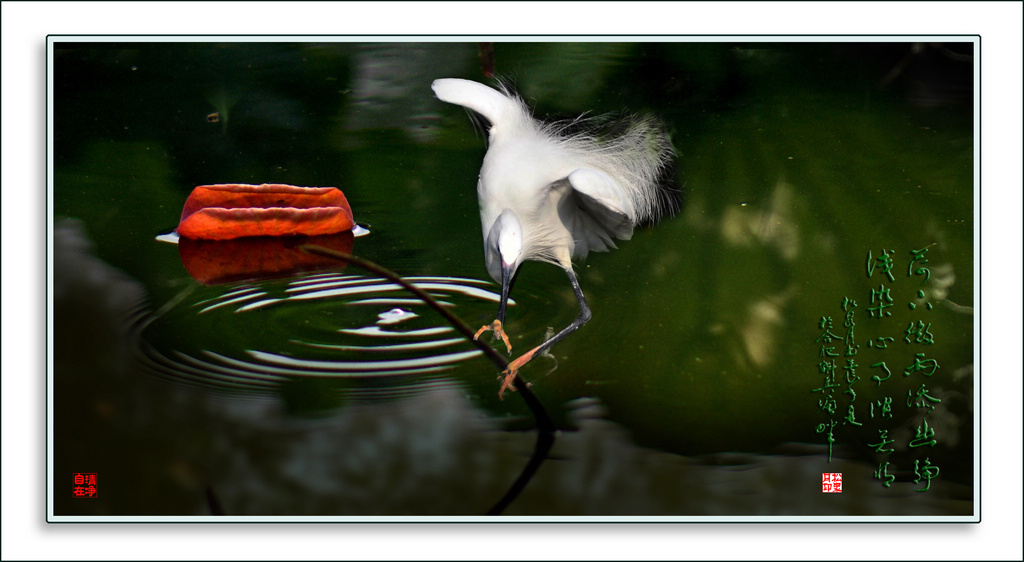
{"type": "Point", "coordinates": [545, 427]}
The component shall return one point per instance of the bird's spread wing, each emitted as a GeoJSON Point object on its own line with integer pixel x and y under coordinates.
{"type": "Point", "coordinates": [603, 210]}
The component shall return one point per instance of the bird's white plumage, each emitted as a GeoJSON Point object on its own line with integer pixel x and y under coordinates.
{"type": "Point", "coordinates": [572, 194]}
{"type": "Point", "coordinates": [502, 111]}
{"type": "Point", "coordinates": [603, 190]}
{"type": "Point", "coordinates": [551, 192]}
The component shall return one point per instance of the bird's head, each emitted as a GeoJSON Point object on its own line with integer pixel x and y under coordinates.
{"type": "Point", "coordinates": [504, 247]}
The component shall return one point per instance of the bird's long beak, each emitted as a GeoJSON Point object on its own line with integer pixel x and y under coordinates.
{"type": "Point", "coordinates": [508, 270]}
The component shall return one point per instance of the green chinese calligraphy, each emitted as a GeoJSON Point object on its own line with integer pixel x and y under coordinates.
{"type": "Point", "coordinates": [836, 341]}
{"type": "Point", "coordinates": [830, 438]}
{"type": "Point", "coordinates": [919, 365]}
{"type": "Point", "coordinates": [877, 378]}
{"type": "Point", "coordinates": [884, 300]}
{"type": "Point", "coordinates": [883, 474]}
{"type": "Point", "coordinates": [828, 405]}
{"type": "Point", "coordinates": [883, 263]}
{"type": "Point", "coordinates": [927, 473]}
{"type": "Point", "coordinates": [923, 436]}
{"type": "Point", "coordinates": [880, 342]}
{"type": "Point", "coordinates": [884, 441]}
{"type": "Point", "coordinates": [851, 417]}
{"type": "Point", "coordinates": [921, 399]}
{"type": "Point", "coordinates": [921, 333]}
{"type": "Point", "coordinates": [917, 256]}
{"type": "Point", "coordinates": [884, 408]}
{"type": "Point", "coordinates": [851, 345]}
{"type": "Point", "coordinates": [920, 295]}
{"type": "Point", "coordinates": [825, 324]}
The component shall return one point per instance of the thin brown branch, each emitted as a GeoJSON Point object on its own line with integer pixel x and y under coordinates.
{"type": "Point", "coordinates": [545, 427]}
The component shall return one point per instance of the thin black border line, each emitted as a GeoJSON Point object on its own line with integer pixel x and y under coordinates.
{"type": "Point", "coordinates": [51, 41]}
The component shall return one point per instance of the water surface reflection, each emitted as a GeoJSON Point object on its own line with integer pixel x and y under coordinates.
{"type": "Point", "coordinates": [339, 327]}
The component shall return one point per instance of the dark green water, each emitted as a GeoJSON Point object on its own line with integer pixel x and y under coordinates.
{"type": "Point", "coordinates": [691, 392]}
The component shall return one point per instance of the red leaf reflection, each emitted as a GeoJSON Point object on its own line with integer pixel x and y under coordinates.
{"type": "Point", "coordinates": [212, 262]}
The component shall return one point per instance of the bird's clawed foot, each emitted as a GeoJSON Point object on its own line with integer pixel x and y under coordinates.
{"type": "Point", "coordinates": [507, 376]}
{"type": "Point", "coordinates": [512, 371]}
{"type": "Point", "coordinates": [499, 332]}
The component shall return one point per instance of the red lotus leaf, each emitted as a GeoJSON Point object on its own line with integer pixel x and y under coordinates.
{"type": "Point", "coordinates": [226, 211]}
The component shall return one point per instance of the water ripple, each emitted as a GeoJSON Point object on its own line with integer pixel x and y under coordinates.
{"type": "Point", "coordinates": [327, 327]}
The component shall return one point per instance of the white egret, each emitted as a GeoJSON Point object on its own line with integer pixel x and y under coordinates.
{"type": "Point", "coordinates": [556, 191]}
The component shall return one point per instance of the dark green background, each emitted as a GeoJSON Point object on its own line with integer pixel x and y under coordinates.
{"type": "Point", "coordinates": [796, 159]}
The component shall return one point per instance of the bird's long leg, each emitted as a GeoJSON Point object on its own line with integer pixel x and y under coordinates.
{"type": "Point", "coordinates": [581, 319]}
{"type": "Point", "coordinates": [497, 325]}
